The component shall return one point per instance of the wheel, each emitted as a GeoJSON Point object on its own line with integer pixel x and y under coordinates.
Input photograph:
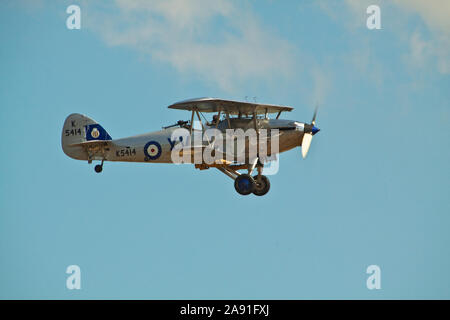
{"type": "Point", "coordinates": [98, 168]}
{"type": "Point", "coordinates": [262, 187]}
{"type": "Point", "coordinates": [244, 184]}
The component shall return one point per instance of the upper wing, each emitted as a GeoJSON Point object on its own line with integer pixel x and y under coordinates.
{"type": "Point", "coordinates": [230, 106]}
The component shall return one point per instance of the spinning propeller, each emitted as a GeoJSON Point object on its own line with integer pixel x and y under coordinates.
{"type": "Point", "coordinates": [310, 130]}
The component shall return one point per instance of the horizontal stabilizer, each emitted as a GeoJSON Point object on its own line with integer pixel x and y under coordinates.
{"type": "Point", "coordinates": [91, 143]}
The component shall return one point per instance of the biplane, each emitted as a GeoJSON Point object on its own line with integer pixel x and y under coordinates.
{"type": "Point", "coordinates": [85, 139]}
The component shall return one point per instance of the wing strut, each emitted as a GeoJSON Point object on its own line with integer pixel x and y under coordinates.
{"type": "Point", "coordinates": [228, 119]}
{"type": "Point", "coordinates": [192, 122]}
{"type": "Point", "coordinates": [218, 118]}
{"type": "Point", "coordinates": [203, 126]}
{"type": "Point", "coordinates": [278, 115]}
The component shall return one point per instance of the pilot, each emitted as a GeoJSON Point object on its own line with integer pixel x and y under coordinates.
{"type": "Point", "coordinates": [215, 120]}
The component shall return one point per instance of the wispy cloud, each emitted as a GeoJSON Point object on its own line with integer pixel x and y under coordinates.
{"type": "Point", "coordinates": [211, 40]}
{"type": "Point", "coordinates": [321, 85]}
{"type": "Point", "coordinates": [429, 46]}
{"type": "Point", "coordinates": [434, 13]}
{"type": "Point", "coordinates": [436, 16]}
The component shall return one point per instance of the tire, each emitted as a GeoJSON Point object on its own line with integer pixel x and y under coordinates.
{"type": "Point", "coordinates": [244, 184]}
{"type": "Point", "coordinates": [98, 168]}
{"type": "Point", "coordinates": [261, 188]}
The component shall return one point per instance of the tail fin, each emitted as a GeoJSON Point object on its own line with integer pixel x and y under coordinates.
{"type": "Point", "coordinates": [78, 129]}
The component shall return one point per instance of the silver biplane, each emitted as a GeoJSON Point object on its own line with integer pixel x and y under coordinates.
{"type": "Point", "coordinates": [85, 139]}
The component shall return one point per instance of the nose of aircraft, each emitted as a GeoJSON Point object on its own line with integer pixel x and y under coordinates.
{"type": "Point", "coordinates": [310, 128]}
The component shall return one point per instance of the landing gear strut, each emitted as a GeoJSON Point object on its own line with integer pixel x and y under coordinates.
{"type": "Point", "coordinates": [262, 183]}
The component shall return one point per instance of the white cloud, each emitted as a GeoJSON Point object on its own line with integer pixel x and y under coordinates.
{"type": "Point", "coordinates": [427, 47]}
{"type": "Point", "coordinates": [419, 49]}
{"type": "Point", "coordinates": [436, 16]}
{"type": "Point", "coordinates": [436, 13]}
{"type": "Point", "coordinates": [212, 40]}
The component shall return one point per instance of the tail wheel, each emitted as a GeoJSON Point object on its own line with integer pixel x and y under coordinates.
{"type": "Point", "coordinates": [262, 186]}
{"type": "Point", "coordinates": [98, 168]}
{"type": "Point", "coordinates": [244, 184]}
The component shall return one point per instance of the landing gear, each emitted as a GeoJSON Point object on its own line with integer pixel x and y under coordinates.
{"type": "Point", "coordinates": [244, 184]}
{"type": "Point", "coordinates": [262, 185]}
{"type": "Point", "coordinates": [98, 168]}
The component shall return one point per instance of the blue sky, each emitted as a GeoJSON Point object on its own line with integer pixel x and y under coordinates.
{"type": "Point", "coordinates": [373, 190]}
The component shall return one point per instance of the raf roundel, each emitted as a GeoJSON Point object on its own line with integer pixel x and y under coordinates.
{"type": "Point", "coordinates": [152, 150]}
